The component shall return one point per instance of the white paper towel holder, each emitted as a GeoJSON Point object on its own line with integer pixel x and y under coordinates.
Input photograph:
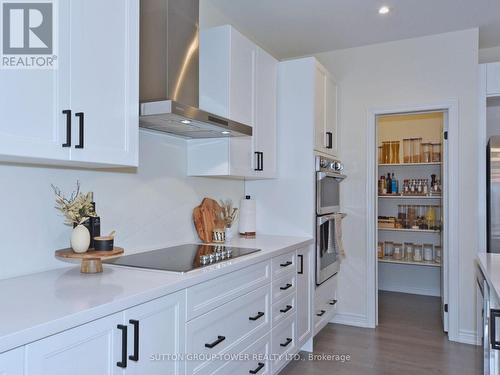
{"type": "Point", "coordinates": [247, 222]}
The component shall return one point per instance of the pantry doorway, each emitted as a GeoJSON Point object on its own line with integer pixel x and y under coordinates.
{"type": "Point", "coordinates": [411, 197]}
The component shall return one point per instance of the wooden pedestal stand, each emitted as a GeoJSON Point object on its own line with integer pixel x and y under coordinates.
{"type": "Point", "coordinates": [91, 260]}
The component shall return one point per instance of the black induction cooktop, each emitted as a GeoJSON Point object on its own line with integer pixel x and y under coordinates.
{"type": "Point", "coordinates": [182, 258]}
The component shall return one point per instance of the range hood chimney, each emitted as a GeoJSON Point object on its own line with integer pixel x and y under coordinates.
{"type": "Point", "coordinates": [169, 71]}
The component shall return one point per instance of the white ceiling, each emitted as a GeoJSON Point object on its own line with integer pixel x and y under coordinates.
{"type": "Point", "coordinates": [291, 28]}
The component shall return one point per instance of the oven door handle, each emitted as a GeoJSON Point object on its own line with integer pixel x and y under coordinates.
{"type": "Point", "coordinates": [322, 175]}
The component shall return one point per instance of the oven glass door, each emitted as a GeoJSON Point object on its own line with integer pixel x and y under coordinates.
{"type": "Point", "coordinates": [328, 192]}
{"type": "Point", "coordinates": [327, 255]}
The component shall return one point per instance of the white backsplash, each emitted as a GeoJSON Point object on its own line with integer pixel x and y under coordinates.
{"type": "Point", "coordinates": [150, 207]}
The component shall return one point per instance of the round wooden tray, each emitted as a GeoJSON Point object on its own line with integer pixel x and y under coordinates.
{"type": "Point", "coordinates": [91, 260]}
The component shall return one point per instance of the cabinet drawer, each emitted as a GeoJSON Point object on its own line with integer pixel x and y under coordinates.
{"type": "Point", "coordinates": [284, 264]}
{"type": "Point", "coordinates": [284, 287]}
{"type": "Point", "coordinates": [204, 297]}
{"type": "Point", "coordinates": [252, 360]}
{"type": "Point", "coordinates": [283, 309]}
{"type": "Point", "coordinates": [283, 343]}
{"type": "Point", "coordinates": [325, 306]}
{"type": "Point", "coordinates": [223, 328]}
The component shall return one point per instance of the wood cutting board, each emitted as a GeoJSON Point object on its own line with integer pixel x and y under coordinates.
{"type": "Point", "coordinates": [206, 218]}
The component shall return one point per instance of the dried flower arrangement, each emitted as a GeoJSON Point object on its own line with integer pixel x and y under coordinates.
{"type": "Point", "coordinates": [228, 213]}
{"type": "Point", "coordinates": [77, 208]}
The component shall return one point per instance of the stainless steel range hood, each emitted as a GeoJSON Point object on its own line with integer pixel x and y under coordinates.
{"type": "Point", "coordinates": [169, 74]}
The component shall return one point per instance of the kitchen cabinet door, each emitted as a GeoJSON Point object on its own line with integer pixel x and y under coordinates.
{"type": "Point", "coordinates": [104, 81]}
{"type": "Point", "coordinates": [493, 79]}
{"type": "Point", "coordinates": [12, 362]}
{"type": "Point", "coordinates": [92, 348]}
{"type": "Point", "coordinates": [264, 161]}
{"type": "Point", "coordinates": [156, 328]}
{"type": "Point", "coordinates": [32, 125]}
{"type": "Point", "coordinates": [319, 109]}
{"type": "Point", "coordinates": [325, 129]}
{"type": "Point", "coordinates": [331, 113]}
{"type": "Point", "coordinates": [305, 290]}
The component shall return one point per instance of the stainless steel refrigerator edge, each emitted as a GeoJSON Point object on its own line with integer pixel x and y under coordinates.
{"type": "Point", "coordinates": [493, 195]}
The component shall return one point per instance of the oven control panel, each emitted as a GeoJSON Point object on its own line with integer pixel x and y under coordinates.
{"type": "Point", "coordinates": [328, 165]}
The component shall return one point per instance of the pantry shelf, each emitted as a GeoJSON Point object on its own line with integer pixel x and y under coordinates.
{"type": "Point", "coordinates": [410, 197]}
{"type": "Point", "coordinates": [423, 263]}
{"type": "Point", "coordinates": [408, 164]}
{"type": "Point", "coordinates": [409, 230]}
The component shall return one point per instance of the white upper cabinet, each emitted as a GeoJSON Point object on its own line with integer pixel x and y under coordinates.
{"type": "Point", "coordinates": [237, 81]}
{"type": "Point", "coordinates": [90, 100]}
{"type": "Point", "coordinates": [325, 131]}
{"type": "Point", "coordinates": [493, 79]}
{"type": "Point", "coordinates": [12, 362]}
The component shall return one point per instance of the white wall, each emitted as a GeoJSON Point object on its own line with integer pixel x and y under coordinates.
{"type": "Point", "coordinates": [149, 208]}
{"type": "Point", "coordinates": [408, 72]}
{"type": "Point", "coordinates": [493, 117]}
{"type": "Point", "coordinates": [488, 55]}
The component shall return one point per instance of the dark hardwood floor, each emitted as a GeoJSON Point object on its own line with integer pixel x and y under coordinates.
{"type": "Point", "coordinates": [409, 340]}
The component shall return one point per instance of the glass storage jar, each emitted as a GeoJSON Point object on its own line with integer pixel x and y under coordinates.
{"type": "Point", "coordinates": [411, 215]}
{"type": "Point", "coordinates": [408, 252]}
{"type": "Point", "coordinates": [436, 152]}
{"type": "Point", "coordinates": [395, 152]}
{"type": "Point", "coordinates": [428, 252]}
{"type": "Point", "coordinates": [417, 253]}
{"type": "Point", "coordinates": [416, 150]}
{"type": "Point", "coordinates": [380, 250]}
{"type": "Point", "coordinates": [381, 154]}
{"type": "Point", "coordinates": [407, 150]}
{"type": "Point", "coordinates": [437, 254]}
{"type": "Point", "coordinates": [397, 252]}
{"type": "Point", "coordinates": [386, 152]}
{"type": "Point", "coordinates": [388, 248]}
{"type": "Point", "coordinates": [426, 152]}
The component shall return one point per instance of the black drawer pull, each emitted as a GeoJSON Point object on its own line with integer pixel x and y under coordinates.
{"type": "Point", "coordinates": [333, 302]}
{"type": "Point", "coordinates": [329, 143]}
{"type": "Point", "coordinates": [135, 356]}
{"type": "Point", "coordinates": [289, 263]}
{"type": "Point", "coordinates": [287, 342]}
{"type": "Point", "coordinates": [321, 313]}
{"type": "Point", "coordinates": [288, 308]}
{"type": "Point", "coordinates": [123, 362]}
{"type": "Point", "coordinates": [260, 367]}
{"type": "Point", "coordinates": [81, 125]}
{"type": "Point", "coordinates": [301, 256]}
{"type": "Point", "coordinates": [288, 286]}
{"type": "Point", "coordinates": [216, 342]}
{"type": "Point", "coordinates": [67, 112]}
{"type": "Point", "coordinates": [259, 315]}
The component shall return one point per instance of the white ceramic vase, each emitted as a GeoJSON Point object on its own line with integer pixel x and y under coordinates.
{"type": "Point", "coordinates": [80, 239]}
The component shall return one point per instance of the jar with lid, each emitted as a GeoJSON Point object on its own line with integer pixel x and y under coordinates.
{"type": "Point", "coordinates": [388, 248]}
{"type": "Point", "coordinates": [426, 152]}
{"type": "Point", "coordinates": [395, 152]}
{"type": "Point", "coordinates": [381, 154]}
{"type": "Point", "coordinates": [407, 150]}
{"type": "Point", "coordinates": [386, 152]}
{"type": "Point", "coordinates": [380, 250]}
{"type": "Point", "coordinates": [417, 253]}
{"type": "Point", "coordinates": [436, 152]}
{"type": "Point", "coordinates": [408, 252]}
{"type": "Point", "coordinates": [428, 252]}
{"type": "Point", "coordinates": [437, 254]}
{"type": "Point", "coordinates": [397, 253]}
{"type": "Point", "coordinates": [417, 150]}
{"type": "Point", "coordinates": [411, 215]}
{"type": "Point", "coordinates": [402, 216]}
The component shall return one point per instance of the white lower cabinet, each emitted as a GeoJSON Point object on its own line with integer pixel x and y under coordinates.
{"type": "Point", "coordinates": [325, 303]}
{"type": "Point", "coordinates": [12, 362]}
{"type": "Point", "coordinates": [283, 343]}
{"type": "Point", "coordinates": [305, 291]}
{"type": "Point", "coordinates": [122, 343]}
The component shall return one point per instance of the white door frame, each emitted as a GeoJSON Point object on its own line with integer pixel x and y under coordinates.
{"type": "Point", "coordinates": [452, 250]}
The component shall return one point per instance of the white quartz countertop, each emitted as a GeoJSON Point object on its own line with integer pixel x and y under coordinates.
{"type": "Point", "coordinates": [490, 265]}
{"type": "Point", "coordinates": [42, 304]}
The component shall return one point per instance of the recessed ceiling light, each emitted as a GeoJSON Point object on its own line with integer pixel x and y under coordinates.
{"type": "Point", "coordinates": [384, 10]}
{"type": "Point", "coordinates": [186, 122]}
{"type": "Point", "coordinates": [225, 132]}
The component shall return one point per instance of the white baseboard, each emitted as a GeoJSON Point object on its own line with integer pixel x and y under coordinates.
{"type": "Point", "coordinates": [356, 320]}
{"type": "Point", "coordinates": [468, 337]}
{"type": "Point", "coordinates": [419, 291]}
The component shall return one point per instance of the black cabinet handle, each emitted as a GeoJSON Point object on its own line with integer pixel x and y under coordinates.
{"type": "Point", "coordinates": [333, 302]}
{"type": "Point", "coordinates": [287, 286]}
{"type": "Point", "coordinates": [329, 143]}
{"type": "Point", "coordinates": [301, 257]}
{"type": "Point", "coordinates": [259, 367]}
{"type": "Point", "coordinates": [135, 356]}
{"type": "Point", "coordinates": [261, 161]}
{"type": "Point", "coordinates": [288, 308]}
{"type": "Point", "coordinates": [67, 112]}
{"type": "Point", "coordinates": [123, 362]}
{"type": "Point", "coordinates": [81, 125]}
{"type": "Point", "coordinates": [321, 313]}
{"type": "Point", "coordinates": [494, 314]}
{"type": "Point", "coordinates": [215, 343]}
{"type": "Point", "coordinates": [259, 315]}
{"type": "Point", "coordinates": [287, 342]}
{"type": "Point", "coordinates": [289, 263]}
